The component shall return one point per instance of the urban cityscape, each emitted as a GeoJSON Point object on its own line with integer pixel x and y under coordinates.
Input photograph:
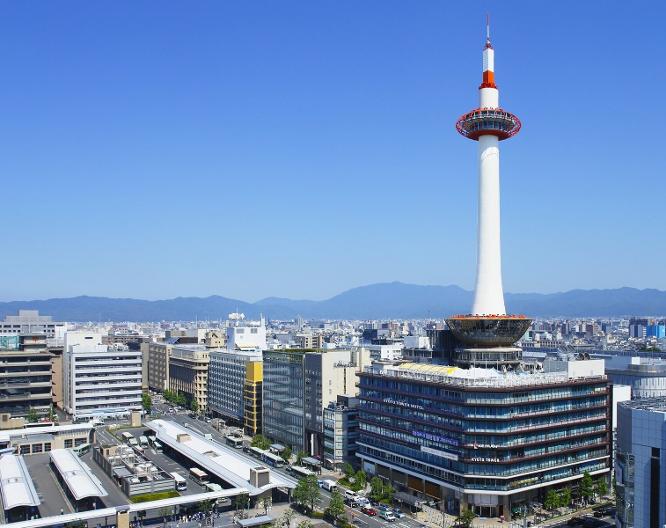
{"type": "Point", "coordinates": [472, 416]}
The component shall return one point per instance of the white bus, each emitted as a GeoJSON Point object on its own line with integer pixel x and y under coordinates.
{"type": "Point", "coordinates": [126, 436]}
{"type": "Point", "coordinates": [199, 476]}
{"type": "Point", "coordinates": [82, 449]}
{"type": "Point", "coordinates": [181, 482]}
{"type": "Point", "coordinates": [234, 442]}
{"type": "Point", "coordinates": [157, 446]}
{"type": "Point", "coordinates": [133, 442]}
{"type": "Point", "coordinates": [143, 440]}
{"type": "Point", "coordinates": [272, 459]}
{"type": "Point", "coordinates": [255, 451]}
{"type": "Point", "coordinates": [300, 471]}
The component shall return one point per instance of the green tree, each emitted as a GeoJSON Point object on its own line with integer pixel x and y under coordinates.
{"type": "Point", "coordinates": [299, 457]}
{"type": "Point", "coordinates": [586, 486]}
{"type": "Point", "coordinates": [376, 489]}
{"type": "Point", "coordinates": [261, 442]}
{"type": "Point", "coordinates": [194, 406]}
{"type": "Point", "coordinates": [304, 524]}
{"type": "Point", "coordinates": [286, 454]}
{"type": "Point", "coordinates": [32, 416]}
{"type": "Point", "coordinates": [552, 500]}
{"type": "Point", "coordinates": [387, 493]}
{"type": "Point", "coordinates": [565, 497]}
{"type": "Point", "coordinates": [306, 492]}
{"type": "Point", "coordinates": [361, 479]}
{"type": "Point", "coordinates": [336, 506]}
{"type": "Point", "coordinates": [348, 470]}
{"type": "Point", "coordinates": [146, 401]}
{"type": "Point", "coordinates": [601, 487]}
{"type": "Point", "coordinates": [465, 519]}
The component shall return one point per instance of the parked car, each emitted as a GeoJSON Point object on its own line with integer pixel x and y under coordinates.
{"type": "Point", "coordinates": [369, 511]}
{"type": "Point", "coordinates": [398, 513]}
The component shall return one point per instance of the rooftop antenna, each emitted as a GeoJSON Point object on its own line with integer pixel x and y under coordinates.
{"type": "Point", "coordinates": [487, 28]}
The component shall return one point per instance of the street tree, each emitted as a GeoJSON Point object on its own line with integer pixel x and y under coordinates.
{"type": "Point", "coordinates": [465, 519]}
{"type": "Point", "coordinates": [286, 454]}
{"type": "Point", "coordinates": [307, 492]}
{"type": "Point", "coordinates": [602, 487]}
{"type": "Point", "coordinates": [586, 486]}
{"type": "Point", "coordinates": [552, 500]}
{"type": "Point", "coordinates": [348, 470]}
{"type": "Point", "coordinates": [146, 402]}
{"type": "Point", "coordinates": [32, 416]}
{"type": "Point", "coordinates": [565, 497]}
{"type": "Point", "coordinates": [336, 506]}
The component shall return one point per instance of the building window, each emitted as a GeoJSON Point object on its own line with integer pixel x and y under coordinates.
{"type": "Point", "coordinates": [47, 446]}
{"type": "Point", "coordinates": [25, 450]}
{"type": "Point", "coordinates": [79, 442]}
{"type": "Point", "coordinates": [68, 443]}
{"type": "Point", "coordinates": [37, 448]}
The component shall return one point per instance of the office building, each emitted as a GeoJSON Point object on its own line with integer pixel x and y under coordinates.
{"type": "Point", "coordinates": [25, 379]}
{"type": "Point", "coordinates": [481, 438]}
{"type": "Point", "coordinates": [309, 341]}
{"type": "Point", "coordinates": [156, 357]}
{"type": "Point", "coordinates": [188, 374]}
{"type": "Point", "coordinates": [645, 376]}
{"type": "Point", "coordinates": [245, 335]}
{"type": "Point", "coordinates": [298, 384]}
{"type": "Point", "coordinates": [640, 469]}
{"type": "Point", "coordinates": [99, 380]}
{"type": "Point", "coordinates": [227, 374]}
{"type": "Point", "coordinates": [30, 322]}
{"type": "Point", "coordinates": [341, 432]}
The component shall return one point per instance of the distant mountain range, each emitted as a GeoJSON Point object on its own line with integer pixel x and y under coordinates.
{"type": "Point", "coordinates": [375, 301]}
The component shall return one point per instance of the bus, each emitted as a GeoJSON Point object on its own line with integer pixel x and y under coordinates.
{"type": "Point", "coordinates": [255, 451]}
{"type": "Point", "coordinates": [157, 446]}
{"type": "Point", "coordinates": [300, 471]}
{"type": "Point", "coordinates": [82, 449]}
{"type": "Point", "coordinates": [143, 440]}
{"type": "Point", "coordinates": [272, 459]}
{"type": "Point", "coordinates": [199, 476]}
{"type": "Point", "coordinates": [133, 442]}
{"type": "Point", "coordinates": [181, 482]}
{"type": "Point", "coordinates": [234, 442]}
{"type": "Point", "coordinates": [126, 436]}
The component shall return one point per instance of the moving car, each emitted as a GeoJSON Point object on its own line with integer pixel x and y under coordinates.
{"type": "Point", "coordinates": [369, 511]}
{"type": "Point", "coordinates": [387, 515]}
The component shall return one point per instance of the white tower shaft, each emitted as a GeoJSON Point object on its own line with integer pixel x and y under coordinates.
{"type": "Point", "coordinates": [488, 292]}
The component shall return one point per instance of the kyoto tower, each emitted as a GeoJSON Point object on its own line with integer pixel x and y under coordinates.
{"type": "Point", "coordinates": [488, 333]}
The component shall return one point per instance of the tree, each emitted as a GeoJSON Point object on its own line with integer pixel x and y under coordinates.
{"type": "Point", "coordinates": [286, 454]}
{"type": "Point", "coordinates": [336, 506]}
{"type": "Point", "coordinates": [465, 519]}
{"type": "Point", "coordinates": [387, 493]}
{"type": "Point", "coordinates": [306, 492]}
{"type": "Point", "coordinates": [304, 524]}
{"type": "Point", "coordinates": [241, 502]}
{"type": "Point", "coordinates": [146, 401]}
{"type": "Point", "coordinates": [586, 486]}
{"type": "Point", "coordinates": [299, 457]}
{"type": "Point", "coordinates": [261, 442]}
{"type": "Point", "coordinates": [360, 479]}
{"type": "Point", "coordinates": [376, 489]}
{"type": "Point", "coordinates": [287, 517]}
{"type": "Point", "coordinates": [552, 500]}
{"type": "Point", "coordinates": [348, 470]}
{"type": "Point", "coordinates": [602, 487]}
{"type": "Point", "coordinates": [32, 416]}
{"type": "Point", "coordinates": [194, 406]}
{"type": "Point", "coordinates": [565, 497]}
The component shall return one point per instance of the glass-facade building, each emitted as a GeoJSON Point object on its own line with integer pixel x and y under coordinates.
{"type": "Point", "coordinates": [227, 373]}
{"type": "Point", "coordinates": [480, 438]}
{"type": "Point", "coordinates": [283, 398]}
{"type": "Point", "coordinates": [640, 469]}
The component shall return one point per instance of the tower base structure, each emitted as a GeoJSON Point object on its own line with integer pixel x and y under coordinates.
{"type": "Point", "coordinates": [488, 341]}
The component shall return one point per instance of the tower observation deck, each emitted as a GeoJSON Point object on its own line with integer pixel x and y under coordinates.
{"type": "Point", "coordinates": [488, 333]}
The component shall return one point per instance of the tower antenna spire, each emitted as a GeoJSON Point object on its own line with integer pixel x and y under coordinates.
{"type": "Point", "coordinates": [487, 28]}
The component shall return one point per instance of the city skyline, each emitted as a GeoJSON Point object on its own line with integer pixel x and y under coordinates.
{"type": "Point", "coordinates": [198, 151]}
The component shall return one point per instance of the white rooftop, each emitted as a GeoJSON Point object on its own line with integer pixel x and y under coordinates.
{"type": "Point", "coordinates": [15, 483]}
{"type": "Point", "coordinates": [7, 434]}
{"type": "Point", "coordinates": [77, 475]}
{"type": "Point", "coordinates": [220, 460]}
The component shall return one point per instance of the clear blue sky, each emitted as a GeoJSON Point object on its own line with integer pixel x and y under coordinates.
{"type": "Point", "coordinates": [156, 149]}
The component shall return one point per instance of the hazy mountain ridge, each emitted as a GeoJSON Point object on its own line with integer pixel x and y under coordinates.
{"type": "Point", "coordinates": [374, 301]}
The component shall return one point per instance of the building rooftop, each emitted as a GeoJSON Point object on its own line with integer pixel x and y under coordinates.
{"type": "Point", "coordinates": [80, 480]}
{"type": "Point", "coordinates": [15, 483]}
{"type": "Point", "coordinates": [223, 461]}
{"type": "Point", "coordinates": [474, 377]}
{"type": "Point", "coordinates": [647, 404]}
{"type": "Point", "coordinates": [8, 434]}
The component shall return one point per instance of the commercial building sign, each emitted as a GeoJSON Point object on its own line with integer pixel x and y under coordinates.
{"type": "Point", "coordinates": [436, 438]}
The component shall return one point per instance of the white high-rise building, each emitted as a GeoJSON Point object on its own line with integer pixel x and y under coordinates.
{"type": "Point", "coordinates": [99, 380]}
{"type": "Point", "coordinates": [245, 335]}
